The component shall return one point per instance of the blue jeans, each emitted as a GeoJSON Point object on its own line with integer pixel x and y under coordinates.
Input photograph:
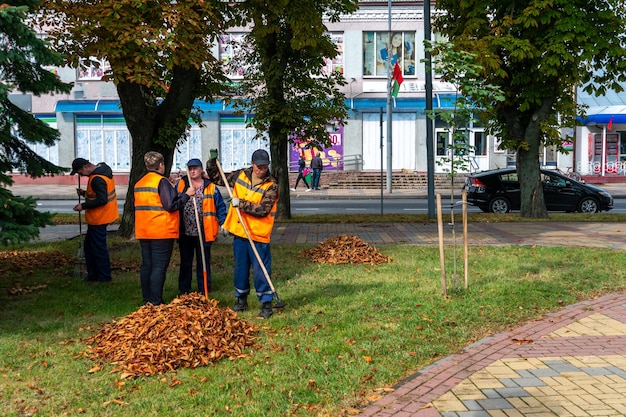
{"type": "Point", "coordinates": [155, 258]}
{"type": "Point", "coordinates": [190, 245]}
{"type": "Point", "coordinates": [315, 179]}
{"type": "Point", "coordinates": [97, 253]}
{"type": "Point", "coordinates": [244, 259]}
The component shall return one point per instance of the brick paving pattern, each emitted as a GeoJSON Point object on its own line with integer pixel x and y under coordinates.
{"type": "Point", "coordinates": [571, 363]}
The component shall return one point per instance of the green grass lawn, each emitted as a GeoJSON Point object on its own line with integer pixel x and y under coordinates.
{"type": "Point", "coordinates": [348, 334]}
{"type": "Point", "coordinates": [605, 217]}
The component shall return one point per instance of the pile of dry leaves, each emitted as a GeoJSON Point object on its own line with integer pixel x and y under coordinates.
{"type": "Point", "coordinates": [24, 261]}
{"type": "Point", "coordinates": [345, 249]}
{"type": "Point", "coordinates": [188, 332]}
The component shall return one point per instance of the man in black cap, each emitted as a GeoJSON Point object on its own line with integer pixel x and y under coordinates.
{"type": "Point", "coordinates": [255, 194]}
{"type": "Point", "coordinates": [100, 210]}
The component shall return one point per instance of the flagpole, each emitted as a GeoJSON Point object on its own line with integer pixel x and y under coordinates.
{"type": "Point", "coordinates": [430, 151]}
{"type": "Point", "coordinates": [389, 115]}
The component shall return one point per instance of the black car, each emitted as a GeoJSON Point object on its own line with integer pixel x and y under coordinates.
{"type": "Point", "coordinates": [498, 191]}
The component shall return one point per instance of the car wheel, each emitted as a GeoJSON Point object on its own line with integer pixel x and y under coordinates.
{"type": "Point", "coordinates": [499, 205]}
{"type": "Point", "coordinates": [588, 205]}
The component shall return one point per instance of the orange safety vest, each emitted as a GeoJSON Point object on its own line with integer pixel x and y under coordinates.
{"type": "Point", "coordinates": [260, 228]}
{"type": "Point", "coordinates": [210, 225]}
{"type": "Point", "coordinates": [106, 213]}
{"type": "Point", "coordinates": [152, 221]}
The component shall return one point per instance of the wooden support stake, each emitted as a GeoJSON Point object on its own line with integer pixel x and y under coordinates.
{"type": "Point", "coordinates": [465, 257]}
{"type": "Point", "coordinates": [442, 260]}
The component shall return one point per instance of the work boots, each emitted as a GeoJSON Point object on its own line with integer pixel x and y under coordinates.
{"type": "Point", "coordinates": [266, 311]}
{"type": "Point", "coordinates": [241, 304]}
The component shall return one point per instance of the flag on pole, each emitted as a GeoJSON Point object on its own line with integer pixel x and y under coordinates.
{"type": "Point", "coordinates": [396, 80]}
{"type": "Point", "coordinates": [610, 125]}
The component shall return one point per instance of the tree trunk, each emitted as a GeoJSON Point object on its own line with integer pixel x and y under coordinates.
{"type": "Point", "coordinates": [280, 170]}
{"type": "Point", "coordinates": [532, 202]}
{"type": "Point", "coordinates": [154, 126]}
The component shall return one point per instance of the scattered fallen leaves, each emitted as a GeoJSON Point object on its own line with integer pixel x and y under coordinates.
{"type": "Point", "coordinates": [524, 340]}
{"type": "Point", "coordinates": [345, 249]}
{"type": "Point", "coordinates": [188, 332]}
{"type": "Point", "coordinates": [17, 289]}
{"type": "Point", "coordinates": [24, 260]}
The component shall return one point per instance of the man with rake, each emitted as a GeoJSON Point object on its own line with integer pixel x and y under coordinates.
{"type": "Point", "coordinates": [250, 219]}
{"type": "Point", "coordinates": [101, 209]}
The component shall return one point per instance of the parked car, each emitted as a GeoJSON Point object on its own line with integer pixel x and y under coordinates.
{"type": "Point", "coordinates": [498, 191]}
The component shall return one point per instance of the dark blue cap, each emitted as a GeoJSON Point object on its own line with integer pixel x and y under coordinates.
{"type": "Point", "coordinates": [195, 162]}
{"type": "Point", "coordinates": [260, 157]}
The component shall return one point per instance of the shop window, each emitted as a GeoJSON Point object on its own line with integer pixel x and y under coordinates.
{"type": "Point", "coordinates": [442, 143]}
{"type": "Point", "coordinates": [231, 47]}
{"type": "Point", "coordinates": [237, 142]}
{"type": "Point", "coordinates": [336, 64]}
{"type": "Point", "coordinates": [190, 148]}
{"type": "Point", "coordinates": [48, 152]}
{"type": "Point", "coordinates": [480, 143]}
{"type": "Point", "coordinates": [377, 50]}
{"type": "Point", "coordinates": [92, 69]}
{"type": "Point", "coordinates": [622, 145]}
{"type": "Point", "coordinates": [103, 138]}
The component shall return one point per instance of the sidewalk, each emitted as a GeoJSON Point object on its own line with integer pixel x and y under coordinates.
{"type": "Point", "coordinates": [68, 192]}
{"type": "Point", "coordinates": [570, 363]}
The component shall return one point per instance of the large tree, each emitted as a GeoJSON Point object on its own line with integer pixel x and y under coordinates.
{"type": "Point", "coordinates": [283, 86]}
{"type": "Point", "coordinates": [538, 52]}
{"type": "Point", "coordinates": [24, 68]}
{"type": "Point", "coordinates": [161, 61]}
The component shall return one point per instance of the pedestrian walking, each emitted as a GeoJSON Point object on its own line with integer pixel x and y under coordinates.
{"type": "Point", "coordinates": [317, 165]}
{"type": "Point", "coordinates": [303, 171]}
{"type": "Point", "coordinates": [210, 216]}
{"type": "Point", "coordinates": [157, 225]}
{"type": "Point", "coordinates": [255, 195]}
{"type": "Point", "coordinates": [101, 209]}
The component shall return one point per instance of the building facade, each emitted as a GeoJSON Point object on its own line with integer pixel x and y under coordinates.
{"type": "Point", "coordinates": [92, 125]}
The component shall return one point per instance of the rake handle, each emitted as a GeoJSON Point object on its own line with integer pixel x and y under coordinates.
{"type": "Point", "coordinates": [201, 239]}
{"type": "Point", "coordinates": [245, 229]}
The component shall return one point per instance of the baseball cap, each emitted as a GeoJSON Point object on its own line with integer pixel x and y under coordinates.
{"type": "Point", "coordinates": [260, 157]}
{"type": "Point", "coordinates": [195, 162]}
{"type": "Point", "coordinates": [77, 164]}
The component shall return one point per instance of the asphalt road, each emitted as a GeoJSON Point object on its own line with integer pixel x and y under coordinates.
{"type": "Point", "coordinates": [334, 206]}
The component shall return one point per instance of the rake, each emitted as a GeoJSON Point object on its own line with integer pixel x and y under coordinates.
{"type": "Point", "coordinates": [279, 303]}
{"type": "Point", "coordinates": [80, 267]}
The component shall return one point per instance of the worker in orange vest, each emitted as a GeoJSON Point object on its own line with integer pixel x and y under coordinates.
{"type": "Point", "coordinates": [255, 195]}
{"type": "Point", "coordinates": [211, 212]}
{"type": "Point", "coordinates": [101, 209]}
{"type": "Point", "coordinates": [156, 224]}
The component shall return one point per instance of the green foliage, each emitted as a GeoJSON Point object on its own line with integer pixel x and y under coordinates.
{"type": "Point", "coordinates": [283, 86]}
{"type": "Point", "coordinates": [19, 219]}
{"type": "Point", "coordinates": [160, 54]}
{"type": "Point", "coordinates": [161, 62]}
{"type": "Point", "coordinates": [23, 61]}
{"type": "Point", "coordinates": [538, 52]}
{"type": "Point", "coordinates": [474, 97]}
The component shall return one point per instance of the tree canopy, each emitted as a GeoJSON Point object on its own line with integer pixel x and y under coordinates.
{"type": "Point", "coordinates": [161, 60]}
{"type": "Point", "coordinates": [25, 62]}
{"type": "Point", "coordinates": [283, 86]}
{"type": "Point", "coordinates": [538, 52]}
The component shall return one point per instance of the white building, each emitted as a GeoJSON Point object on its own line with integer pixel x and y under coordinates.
{"type": "Point", "coordinates": [92, 125]}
